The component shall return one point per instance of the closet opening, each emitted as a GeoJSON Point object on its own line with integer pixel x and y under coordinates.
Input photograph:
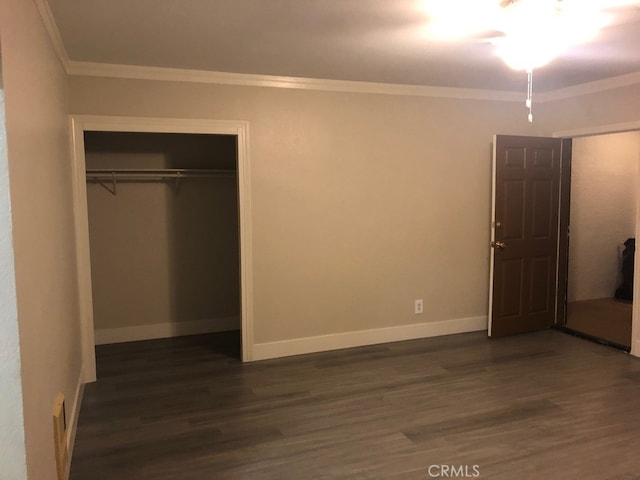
{"type": "Point", "coordinates": [164, 239]}
{"type": "Point", "coordinates": [602, 222]}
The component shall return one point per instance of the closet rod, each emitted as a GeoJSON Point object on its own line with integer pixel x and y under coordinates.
{"type": "Point", "coordinates": [160, 173]}
{"type": "Point", "coordinates": [113, 176]}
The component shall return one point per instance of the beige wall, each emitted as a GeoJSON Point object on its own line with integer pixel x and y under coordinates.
{"type": "Point", "coordinates": [12, 444]}
{"type": "Point", "coordinates": [40, 186]}
{"type": "Point", "coordinates": [361, 203]}
{"type": "Point", "coordinates": [615, 106]}
{"type": "Point", "coordinates": [159, 257]}
{"type": "Point", "coordinates": [604, 171]}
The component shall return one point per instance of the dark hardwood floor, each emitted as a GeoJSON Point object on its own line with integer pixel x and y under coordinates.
{"type": "Point", "coordinates": [536, 406]}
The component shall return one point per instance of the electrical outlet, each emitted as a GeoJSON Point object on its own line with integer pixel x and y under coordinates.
{"type": "Point", "coordinates": [418, 307]}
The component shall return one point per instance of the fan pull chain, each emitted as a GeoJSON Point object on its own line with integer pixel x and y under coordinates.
{"type": "Point", "coordinates": [529, 94]}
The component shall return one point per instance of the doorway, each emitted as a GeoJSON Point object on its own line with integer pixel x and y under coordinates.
{"type": "Point", "coordinates": [163, 230]}
{"type": "Point", "coordinates": [521, 153]}
{"type": "Point", "coordinates": [525, 233]}
{"type": "Point", "coordinates": [238, 129]}
{"type": "Point", "coordinates": [604, 196]}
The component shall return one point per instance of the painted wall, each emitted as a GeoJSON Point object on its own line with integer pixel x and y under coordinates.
{"type": "Point", "coordinates": [361, 203]}
{"type": "Point", "coordinates": [614, 106]}
{"type": "Point", "coordinates": [604, 196]}
{"type": "Point", "coordinates": [41, 200]}
{"type": "Point", "coordinates": [12, 444]}
{"type": "Point", "coordinates": [163, 263]}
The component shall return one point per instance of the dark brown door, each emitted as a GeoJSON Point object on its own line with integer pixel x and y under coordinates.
{"type": "Point", "coordinates": [525, 234]}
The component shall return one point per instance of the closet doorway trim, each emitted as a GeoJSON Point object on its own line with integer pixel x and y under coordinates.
{"type": "Point", "coordinates": [80, 124]}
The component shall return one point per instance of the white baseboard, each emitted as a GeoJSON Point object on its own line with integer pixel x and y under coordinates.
{"type": "Point", "coordinates": [165, 330]}
{"type": "Point", "coordinates": [72, 419]}
{"type": "Point", "coordinates": [298, 346]}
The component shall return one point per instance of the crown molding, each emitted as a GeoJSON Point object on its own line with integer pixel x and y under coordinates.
{"type": "Point", "coordinates": [590, 87]}
{"type": "Point", "coordinates": [90, 69]}
{"type": "Point", "coordinates": [598, 130]}
{"type": "Point", "coordinates": [54, 34]}
{"type": "Point", "coordinates": [252, 80]}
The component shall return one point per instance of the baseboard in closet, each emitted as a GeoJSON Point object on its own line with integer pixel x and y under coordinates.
{"type": "Point", "coordinates": [165, 330]}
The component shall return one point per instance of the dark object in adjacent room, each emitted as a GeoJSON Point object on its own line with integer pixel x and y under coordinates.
{"type": "Point", "coordinates": [625, 291]}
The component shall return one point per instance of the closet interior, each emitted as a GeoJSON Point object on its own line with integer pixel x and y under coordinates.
{"type": "Point", "coordinates": [164, 236]}
{"type": "Point", "coordinates": [604, 197]}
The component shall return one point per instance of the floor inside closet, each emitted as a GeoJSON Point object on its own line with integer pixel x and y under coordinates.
{"type": "Point", "coordinates": [542, 405]}
{"type": "Point", "coordinates": [607, 319]}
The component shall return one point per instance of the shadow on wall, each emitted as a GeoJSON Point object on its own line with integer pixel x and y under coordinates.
{"type": "Point", "coordinates": [202, 222]}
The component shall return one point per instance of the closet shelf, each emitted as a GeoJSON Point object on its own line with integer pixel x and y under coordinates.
{"type": "Point", "coordinates": [164, 175]}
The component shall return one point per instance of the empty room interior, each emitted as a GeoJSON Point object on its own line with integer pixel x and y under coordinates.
{"type": "Point", "coordinates": [295, 239]}
{"type": "Point", "coordinates": [604, 195]}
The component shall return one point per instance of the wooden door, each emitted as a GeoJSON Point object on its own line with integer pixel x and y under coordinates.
{"type": "Point", "coordinates": [524, 238]}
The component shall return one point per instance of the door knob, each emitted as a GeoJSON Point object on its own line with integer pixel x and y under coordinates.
{"type": "Point", "coordinates": [498, 245]}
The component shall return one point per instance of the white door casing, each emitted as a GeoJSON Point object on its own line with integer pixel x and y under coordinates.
{"type": "Point", "coordinates": [82, 123]}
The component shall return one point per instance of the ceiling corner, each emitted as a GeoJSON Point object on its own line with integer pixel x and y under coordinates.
{"type": "Point", "coordinates": [54, 34]}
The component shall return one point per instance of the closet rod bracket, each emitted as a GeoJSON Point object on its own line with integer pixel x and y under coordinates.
{"type": "Point", "coordinates": [112, 189]}
{"type": "Point", "coordinates": [176, 185]}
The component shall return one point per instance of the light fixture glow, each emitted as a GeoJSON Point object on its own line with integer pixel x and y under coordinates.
{"type": "Point", "coordinates": [536, 31]}
{"type": "Point", "coordinates": [457, 19]}
{"type": "Point", "coordinates": [528, 34]}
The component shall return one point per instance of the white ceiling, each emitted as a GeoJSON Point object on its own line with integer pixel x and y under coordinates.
{"type": "Point", "coordinates": [365, 40]}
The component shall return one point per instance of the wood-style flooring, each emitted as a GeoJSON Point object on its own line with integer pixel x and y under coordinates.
{"type": "Point", "coordinates": [536, 406]}
{"type": "Point", "coordinates": [607, 319]}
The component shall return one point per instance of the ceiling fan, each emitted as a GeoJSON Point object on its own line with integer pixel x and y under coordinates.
{"type": "Point", "coordinates": [527, 34]}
